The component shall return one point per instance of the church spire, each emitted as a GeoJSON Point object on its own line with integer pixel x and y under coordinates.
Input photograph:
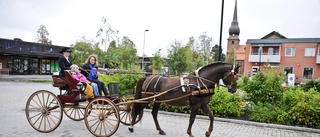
{"type": "Point", "coordinates": [234, 28]}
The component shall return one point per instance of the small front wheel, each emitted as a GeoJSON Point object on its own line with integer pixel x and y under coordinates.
{"type": "Point", "coordinates": [44, 111]}
{"type": "Point", "coordinates": [125, 109]}
{"type": "Point", "coordinates": [102, 117]}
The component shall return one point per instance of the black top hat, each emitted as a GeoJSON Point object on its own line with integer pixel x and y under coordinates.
{"type": "Point", "coordinates": [65, 49]}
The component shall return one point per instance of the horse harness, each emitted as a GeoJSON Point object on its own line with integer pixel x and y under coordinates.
{"type": "Point", "coordinates": [185, 86]}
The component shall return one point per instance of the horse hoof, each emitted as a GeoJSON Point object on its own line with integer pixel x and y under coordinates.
{"type": "Point", "coordinates": [130, 129]}
{"type": "Point", "coordinates": [207, 134]}
{"type": "Point", "coordinates": [162, 132]}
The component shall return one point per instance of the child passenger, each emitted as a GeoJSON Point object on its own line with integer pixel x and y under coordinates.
{"type": "Point", "coordinates": [81, 78]}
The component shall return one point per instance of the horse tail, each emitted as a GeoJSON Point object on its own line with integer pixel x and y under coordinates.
{"type": "Point", "coordinates": [137, 108]}
{"type": "Point", "coordinates": [139, 85]}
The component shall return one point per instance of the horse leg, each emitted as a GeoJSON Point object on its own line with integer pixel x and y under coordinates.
{"type": "Point", "coordinates": [136, 109]}
{"type": "Point", "coordinates": [194, 111]}
{"type": "Point", "coordinates": [154, 112]}
{"type": "Point", "coordinates": [206, 109]}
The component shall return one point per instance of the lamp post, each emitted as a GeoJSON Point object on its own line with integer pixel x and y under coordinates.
{"type": "Point", "coordinates": [144, 41]}
{"type": "Point", "coordinates": [260, 50]}
{"type": "Point", "coordinates": [221, 22]}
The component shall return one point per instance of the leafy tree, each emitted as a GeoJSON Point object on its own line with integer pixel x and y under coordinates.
{"type": "Point", "coordinates": [127, 53]}
{"type": "Point", "coordinates": [105, 32]}
{"type": "Point", "coordinates": [231, 58]}
{"type": "Point", "coordinates": [42, 35]}
{"type": "Point", "coordinates": [101, 55]}
{"type": "Point", "coordinates": [215, 53]}
{"type": "Point", "coordinates": [112, 45]}
{"type": "Point", "coordinates": [157, 61]}
{"type": "Point", "coordinates": [196, 58]}
{"type": "Point", "coordinates": [205, 46]}
{"type": "Point", "coordinates": [81, 51]}
{"type": "Point", "coordinates": [179, 58]}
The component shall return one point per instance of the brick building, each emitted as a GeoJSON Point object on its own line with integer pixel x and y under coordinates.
{"type": "Point", "coordinates": [298, 56]}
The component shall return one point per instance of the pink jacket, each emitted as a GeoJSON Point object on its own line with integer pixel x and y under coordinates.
{"type": "Point", "coordinates": [79, 77]}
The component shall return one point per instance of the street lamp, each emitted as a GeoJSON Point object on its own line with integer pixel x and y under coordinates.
{"type": "Point", "coordinates": [260, 50]}
{"type": "Point", "coordinates": [144, 42]}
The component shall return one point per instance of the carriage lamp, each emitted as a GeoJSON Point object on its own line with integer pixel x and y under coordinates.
{"type": "Point", "coordinates": [80, 86]}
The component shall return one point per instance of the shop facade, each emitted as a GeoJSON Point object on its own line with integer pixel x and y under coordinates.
{"type": "Point", "coordinates": [26, 58]}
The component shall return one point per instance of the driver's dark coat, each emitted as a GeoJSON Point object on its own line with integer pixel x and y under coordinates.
{"type": "Point", "coordinates": [64, 65]}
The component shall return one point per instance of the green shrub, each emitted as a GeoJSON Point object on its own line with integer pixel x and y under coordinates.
{"type": "Point", "coordinates": [263, 112]}
{"type": "Point", "coordinates": [312, 84]}
{"type": "Point", "coordinates": [301, 108]}
{"type": "Point", "coordinates": [264, 87]}
{"type": "Point", "coordinates": [225, 104]}
{"type": "Point", "coordinates": [127, 82]}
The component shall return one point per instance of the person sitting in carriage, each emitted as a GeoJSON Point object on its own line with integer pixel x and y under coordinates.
{"type": "Point", "coordinates": [94, 92]}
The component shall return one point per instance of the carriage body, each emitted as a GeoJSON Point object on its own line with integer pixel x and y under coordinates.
{"type": "Point", "coordinates": [44, 110]}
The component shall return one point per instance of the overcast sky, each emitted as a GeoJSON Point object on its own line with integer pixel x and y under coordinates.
{"type": "Point", "coordinates": [166, 20]}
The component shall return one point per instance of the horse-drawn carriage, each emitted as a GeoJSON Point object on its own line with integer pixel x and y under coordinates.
{"type": "Point", "coordinates": [102, 115]}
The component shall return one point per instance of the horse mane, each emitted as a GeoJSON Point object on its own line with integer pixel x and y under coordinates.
{"type": "Point", "coordinates": [209, 65]}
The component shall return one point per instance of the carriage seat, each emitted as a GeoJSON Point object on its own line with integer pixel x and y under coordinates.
{"type": "Point", "coordinates": [58, 81]}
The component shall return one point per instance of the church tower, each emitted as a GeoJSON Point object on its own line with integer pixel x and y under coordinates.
{"type": "Point", "coordinates": [234, 31]}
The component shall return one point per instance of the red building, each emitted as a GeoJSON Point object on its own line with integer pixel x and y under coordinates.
{"type": "Point", "coordinates": [298, 56]}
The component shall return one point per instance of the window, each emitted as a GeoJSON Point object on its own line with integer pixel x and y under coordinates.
{"type": "Point", "coordinates": [307, 73]}
{"type": "Point", "coordinates": [256, 51]}
{"type": "Point", "coordinates": [288, 70]}
{"type": "Point", "coordinates": [273, 51]}
{"type": "Point", "coordinates": [270, 51]}
{"type": "Point", "coordinates": [309, 52]}
{"type": "Point", "coordinates": [289, 52]}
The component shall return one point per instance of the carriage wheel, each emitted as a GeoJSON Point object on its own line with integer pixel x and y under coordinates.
{"type": "Point", "coordinates": [75, 112]}
{"type": "Point", "coordinates": [102, 117]}
{"type": "Point", "coordinates": [44, 111]}
{"type": "Point", "coordinates": [125, 109]}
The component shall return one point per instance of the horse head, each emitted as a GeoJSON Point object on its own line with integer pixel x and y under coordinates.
{"type": "Point", "coordinates": [216, 71]}
{"type": "Point", "coordinates": [230, 79]}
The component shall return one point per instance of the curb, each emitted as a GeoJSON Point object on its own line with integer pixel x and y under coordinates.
{"type": "Point", "coordinates": [244, 122]}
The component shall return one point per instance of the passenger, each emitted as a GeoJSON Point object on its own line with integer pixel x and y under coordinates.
{"type": "Point", "coordinates": [64, 61]}
{"type": "Point", "coordinates": [91, 73]}
{"type": "Point", "coordinates": [75, 72]}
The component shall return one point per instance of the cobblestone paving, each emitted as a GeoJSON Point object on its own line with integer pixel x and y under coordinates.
{"type": "Point", "coordinates": [13, 122]}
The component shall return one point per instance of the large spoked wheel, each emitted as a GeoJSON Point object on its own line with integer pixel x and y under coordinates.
{"type": "Point", "coordinates": [75, 112]}
{"type": "Point", "coordinates": [125, 109]}
{"type": "Point", "coordinates": [102, 117]}
{"type": "Point", "coordinates": [44, 111]}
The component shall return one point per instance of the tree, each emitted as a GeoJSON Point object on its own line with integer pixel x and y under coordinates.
{"type": "Point", "coordinates": [205, 46]}
{"type": "Point", "coordinates": [111, 56]}
{"type": "Point", "coordinates": [157, 61]}
{"type": "Point", "coordinates": [215, 53]}
{"type": "Point", "coordinates": [196, 58]}
{"type": "Point", "coordinates": [81, 51]}
{"type": "Point", "coordinates": [42, 35]}
{"type": "Point", "coordinates": [179, 58]}
{"type": "Point", "coordinates": [127, 53]}
{"type": "Point", "coordinates": [231, 58]}
{"type": "Point", "coordinates": [105, 32]}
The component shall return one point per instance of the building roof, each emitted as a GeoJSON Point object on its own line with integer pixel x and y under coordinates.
{"type": "Point", "coordinates": [279, 41]}
{"type": "Point", "coordinates": [276, 38]}
{"type": "Point", "coordinates": [274, 34]}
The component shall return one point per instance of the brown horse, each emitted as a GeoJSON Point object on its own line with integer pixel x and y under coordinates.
{"type": "Point", "coordinates": [194, 90]}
